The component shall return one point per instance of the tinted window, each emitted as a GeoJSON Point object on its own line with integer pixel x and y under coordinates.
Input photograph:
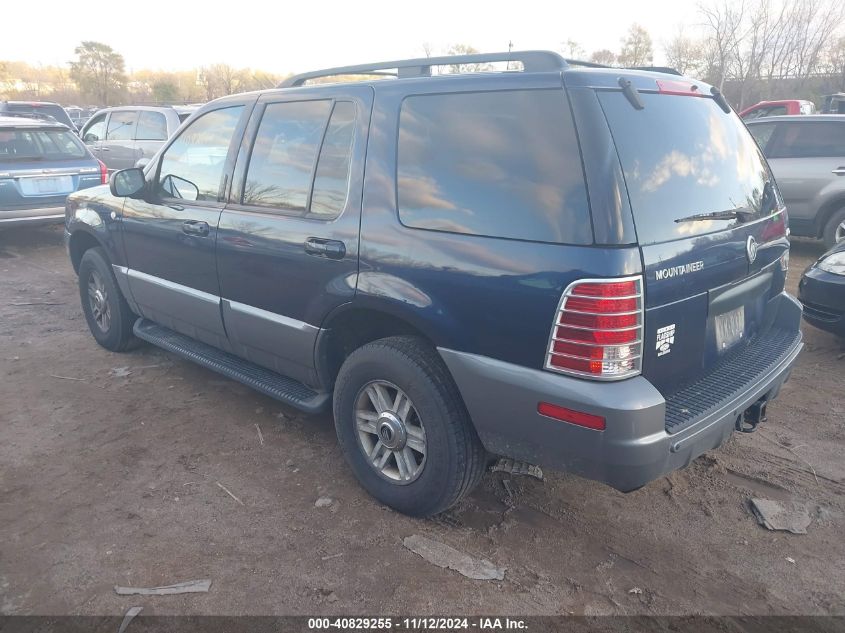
{"type": "Point", "coordinates": [503, 164]}
{"type": "Point", "coordinates": [762, 133]}
{"type": "Point", "coordinates": [809, 139]}
{"type": "Point", "coordinates": [152, 126]}
{"type": "Point", "coordinates": [192, 167]}
{"type": "Point", "coordinates": [331, 182]}
{"type": "Point", "coordinates": [17, 144]}
{"type": "Point", "coordinates": [121, 126]}
{"type": "Point", "coordinates": [284, 154]}
{"type": "Point", "coordinates": [684, 156]}
{"type": "Point", "coordinates": [97, 130]}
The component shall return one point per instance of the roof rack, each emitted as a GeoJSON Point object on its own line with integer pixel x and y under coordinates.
{"type": "Point", "coordinates": [656, 69]}
{"type": "Point", "coordinates": [532, 61]}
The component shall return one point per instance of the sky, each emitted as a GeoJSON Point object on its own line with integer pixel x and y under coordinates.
{"type": "Point", "coordinates": [283, 37]}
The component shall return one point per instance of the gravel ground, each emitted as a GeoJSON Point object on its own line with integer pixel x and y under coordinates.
{"type": "Point", "coordinates": [110, 465]}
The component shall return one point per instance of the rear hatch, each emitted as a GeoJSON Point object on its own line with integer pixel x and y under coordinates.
{"type": "Point", "coordinates": [39, 167]}
{"type": "Point", "coordinates": [710, 225]}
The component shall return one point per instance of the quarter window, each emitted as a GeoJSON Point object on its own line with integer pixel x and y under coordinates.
{"type": "Point", "coordinates": [192, 167]}
{"type": "Point", "coordinates": [121, 126]}
{"type": "Point", "coordinates": [500, 164]}
{"type": "Point", "coordinates": [152, 126]}
{"type": "Point", "coordinates": [331, 183]}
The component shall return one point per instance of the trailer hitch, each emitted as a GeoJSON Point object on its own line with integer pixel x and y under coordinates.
{"type": "Point", "coordinates": [753, 415]}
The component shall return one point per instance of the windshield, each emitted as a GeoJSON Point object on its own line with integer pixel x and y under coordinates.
{"type": "Point", "coordinates": [20, 144]}
{"type": "Point", "coordinates": [682, 157]}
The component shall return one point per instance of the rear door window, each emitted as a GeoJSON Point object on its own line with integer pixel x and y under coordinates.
{"type": "Point", "coordinates": [122, 126]}
{"type": "Point", "coordinates": [809, 139]}
{"type": "Point", "coordinates": [331, 182]}
{"type": "Point", "coordinates": [762, 133]}
{"type": "Point", "coordinates": [500, 164]}
{"type": "Point", "coordinates": [684, 156]}
{"type": "Point", "coordinates": [284, 155]}
{"type": "Point", "coordinates": [152, 126]}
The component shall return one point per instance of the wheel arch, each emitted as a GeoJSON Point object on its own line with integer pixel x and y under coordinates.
{"type": "Point", "coordinates": [80, 241]}
{"type": "Point", "coordinates": [826, 211]}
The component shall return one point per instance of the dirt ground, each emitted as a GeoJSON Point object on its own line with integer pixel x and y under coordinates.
{"type": "Point", "coordinates": [110, 464]}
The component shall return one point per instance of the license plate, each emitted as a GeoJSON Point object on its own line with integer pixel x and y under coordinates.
{"type": "Point", "coordinates": [46, 186]}
{"type": "Point", "coordinates": [730, 328]}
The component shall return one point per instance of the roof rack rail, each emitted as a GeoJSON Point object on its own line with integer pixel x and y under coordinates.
{"type": "Point", "coordinates": [532, 61]}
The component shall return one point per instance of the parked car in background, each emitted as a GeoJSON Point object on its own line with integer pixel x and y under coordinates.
{"type": "Point", "coordinates": [122, 136]}
{"type": "Point", "coordinates": [778, 108]}
{"type": "Point", "coordinates": [822, 291]}
{"type": "Point", "coordinates": [807, 156]}
{"type": "Point", "coordinates": [77, 116]}
{"type": "Point", "coordinates": [456, 266]}
{"type": "Point", "coordinates": [41, 162]}
{"type": "Point", "coordinates": [39, 109]}
{"type": "Point", "coordinates": [834, 104]}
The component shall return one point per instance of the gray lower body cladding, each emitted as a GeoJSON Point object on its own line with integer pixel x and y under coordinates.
{"type": "Point", "coordinates": [635, 447]}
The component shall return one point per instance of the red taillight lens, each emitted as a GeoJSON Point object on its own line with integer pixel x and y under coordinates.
{"type": "Point", "coordinates": [598, 329]}
{"type": "Point", "coordinates": [583, 304]}
{"type": "Point", "coordinates": [104, 172]}
{"type": "Point", "coordinates": [563, 414]}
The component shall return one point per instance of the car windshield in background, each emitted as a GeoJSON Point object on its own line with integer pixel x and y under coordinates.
{"type": "Point", "coordinates": [683, 157]}
{"type": "Point", "coordinates": [18, 144]}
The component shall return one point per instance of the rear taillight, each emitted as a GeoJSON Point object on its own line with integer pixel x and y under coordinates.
{"type": "Point", "coordinates": [104, 172]}
{"type": "Point", "coordinates": [598, 330]}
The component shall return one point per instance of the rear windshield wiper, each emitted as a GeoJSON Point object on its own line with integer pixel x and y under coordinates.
{"type": "Point", "coordinates": [736, 214]}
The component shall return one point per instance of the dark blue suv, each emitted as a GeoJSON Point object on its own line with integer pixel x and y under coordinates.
{"type": "Point", "coordinates": [572, 266]}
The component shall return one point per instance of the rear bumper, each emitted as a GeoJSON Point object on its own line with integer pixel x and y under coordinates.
{"type": "Point", "coordinates": [30, 217]}
{"type": "Point", "coordinates": [635, 447]}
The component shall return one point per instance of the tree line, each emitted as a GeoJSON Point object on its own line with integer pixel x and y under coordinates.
{"type": "Point", "coordinates": [751, 49]}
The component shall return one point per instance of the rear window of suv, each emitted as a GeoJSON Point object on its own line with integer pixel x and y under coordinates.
{"type": "Point", "coordinates": [684, 156]}
{"type": "Point", "coordinates": [21, 144]}
{"type": "Point", "coordinates": [499, 164]}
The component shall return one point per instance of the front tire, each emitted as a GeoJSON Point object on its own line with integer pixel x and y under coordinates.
{"type": "Point", "coordinates": [403, 427]}
{"type": "Point", "coordinates": [106, 311]}
{"type": "Point", "coordinates": [834, 230]}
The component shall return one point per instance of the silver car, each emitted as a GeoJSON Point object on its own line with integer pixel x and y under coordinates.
{"type": "Point", "coordinates": [123, 136]}
{"type": "Point", "coordinates": [807, 157]}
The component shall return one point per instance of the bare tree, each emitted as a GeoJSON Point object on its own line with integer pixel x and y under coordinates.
{"type": "Point", "coordinates": [685, 54]}
{"type": "Point", "coordinates": [573, 50]}
{"type": "Point", "coordinates": [637, 49]}
{"type": "Point", "coordinates": [723, 23]}
{"type": "Point", "coordinates": [465, 49]}
{"type": "Point", "coordinates": [603, 56]}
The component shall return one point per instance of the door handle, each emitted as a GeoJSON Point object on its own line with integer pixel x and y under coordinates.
{"type": "Point", "coordinates": [839, 171]}
{"type": "Point", "coordinates": [319, 247]}
{"type": "Point", "coordinates": [195, 227]}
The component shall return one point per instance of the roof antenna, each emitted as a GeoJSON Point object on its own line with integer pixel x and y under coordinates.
{"type": "Point", "coordinates": [510, 48]}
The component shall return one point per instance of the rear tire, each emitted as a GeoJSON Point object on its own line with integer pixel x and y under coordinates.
{"type": "Point", "coordinates": [106, 311]}
{"type": "Point", "coordinates": [834, 230]}
{"type": "Point", "coordinates": [403, 427]}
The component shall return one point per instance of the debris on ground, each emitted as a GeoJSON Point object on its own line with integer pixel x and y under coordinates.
{"type": "Point", "coordinates": [190, 586]}
{"type": "Point", "coordinates": [789, 559]}
{"type": "Point", "coordinates": [131, 612]}
{"type": "Point", "coordinates": [260, 436]}
{"type": "Point", "coordinates": [515, 467]}
{"type": "Point", "coordinates": [636, 591]}
{"type": "Point", "coordinates": [323, 502]}
{"type": "Point", "coordinates": [448, 557]}
{"type": "Point", "coordinates": [119, 372]}
{"type": "Point", "coordinates": [775, 516]}
{"type": "Point", "coordinates": [228, 492]}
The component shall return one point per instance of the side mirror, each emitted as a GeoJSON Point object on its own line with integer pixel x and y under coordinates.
{"type": "Point", "coordinates": [141, 163]}
{"type": "Point", "coordinates": [90, 138]}
{"type": "Point", "coordinates": [127, 183]}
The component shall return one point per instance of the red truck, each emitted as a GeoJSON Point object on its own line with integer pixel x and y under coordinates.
{"type": "Point", "coordinates": [778, 108]}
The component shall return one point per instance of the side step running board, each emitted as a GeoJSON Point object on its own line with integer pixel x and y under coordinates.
{"type": "Point", "coordinates": [268, 382]}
